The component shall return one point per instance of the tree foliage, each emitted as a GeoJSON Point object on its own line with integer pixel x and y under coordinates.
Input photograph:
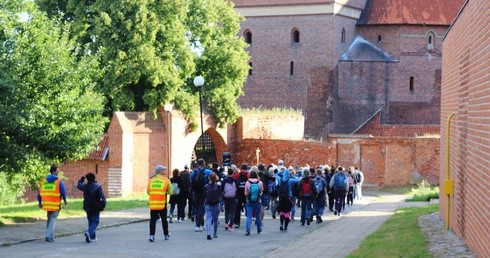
{"type": "Point", "coordinates": [152, 49]}
{"type": "Point", "coordinates": [49, 111]}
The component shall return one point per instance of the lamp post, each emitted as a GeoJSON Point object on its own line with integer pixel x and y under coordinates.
{"type": "Point", "coordinates": [199, 83]}
{"type": "Point", "coordinates": [168, 107]}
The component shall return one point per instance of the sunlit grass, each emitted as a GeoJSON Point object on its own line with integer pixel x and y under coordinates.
{"type": "Point", "coordinates": [29, 212]}
{"type": "Point", "coordinates": [399, 236]}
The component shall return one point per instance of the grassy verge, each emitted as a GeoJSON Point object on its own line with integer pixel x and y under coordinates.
{"type": "Point", "coordinates": [422, 192]}
{"type": "Point", "coordinates": [29, 212]}
{"type": "Point", "coordinates": [399, 236]}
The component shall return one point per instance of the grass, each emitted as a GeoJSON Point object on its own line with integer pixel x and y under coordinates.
{"type": "Point", "coordinates": [399, 236]}
{"type": "Point", "coordinates": [423, 191]}
{"type": "Point", "coordinates": [29, 212]}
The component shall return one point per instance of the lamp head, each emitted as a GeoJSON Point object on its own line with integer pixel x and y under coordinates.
{"type": "Point", "coordinates": [199, 81]}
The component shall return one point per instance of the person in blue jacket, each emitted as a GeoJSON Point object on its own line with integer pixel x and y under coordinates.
{"type": "Point", "coordinates": [199, 178]}
{"type": "Point", "coordinates": [285, 183]}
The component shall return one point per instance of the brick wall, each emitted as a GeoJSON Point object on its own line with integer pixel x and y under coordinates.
{"type": "Point", "coordinates": [465, 91]}
{"type": "Point", "coordinates": [376, 128]}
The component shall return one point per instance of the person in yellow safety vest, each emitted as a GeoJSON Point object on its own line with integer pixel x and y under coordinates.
{"type": "Point", "coordinates": [51, 191]}
{"type": "Point", "coordinates": [159, 187]}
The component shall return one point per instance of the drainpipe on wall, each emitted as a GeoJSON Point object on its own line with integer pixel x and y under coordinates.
{"type": "Point", "coordinates": [448, 186]}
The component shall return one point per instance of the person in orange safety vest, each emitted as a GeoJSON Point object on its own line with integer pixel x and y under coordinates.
{"type": "Point", "coordinates": [51, 192]}
{"type": "Point", "coordinates": [159, 187]}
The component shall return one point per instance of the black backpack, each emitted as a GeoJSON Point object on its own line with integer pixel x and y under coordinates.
{"type": "Point", "coordinates": [242, 180]}
{"type": "Point", "coordinates": [198, 181]}
{"type": "Point", "coordinates": [213, 195]}
{"type": "Point", "coordinates": [284, 189]}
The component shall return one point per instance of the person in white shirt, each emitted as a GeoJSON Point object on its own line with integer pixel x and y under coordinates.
{"type": "Point", "coordinates": [359, 178]}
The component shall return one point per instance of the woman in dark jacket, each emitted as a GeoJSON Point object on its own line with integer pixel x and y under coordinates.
{"type": "Point", "coordinates": [177, 197]}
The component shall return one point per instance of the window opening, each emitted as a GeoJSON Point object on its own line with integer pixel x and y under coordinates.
{"type": "Point", "coordinates": [291, 68]}
{"type": "Point", "coordinates": [342, 39]}
{"type": "Point", "coordinates": [295, 36]}
{"type": "Point", "coordinates": [250, 69]}
{"type": "Point", "coordinates": [411, 84]}
{"type": "Point", "coordinates": [248, 37]}
{"type": "Point", "coordinates": [379, 38]}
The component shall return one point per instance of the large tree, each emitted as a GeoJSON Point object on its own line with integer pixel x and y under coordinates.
{"type": "Point", "coordinates": [152, 49]}
{"type": "Point", "coordinates": [49, 111]}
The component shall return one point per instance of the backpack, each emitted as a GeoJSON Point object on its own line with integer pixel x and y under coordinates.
{"type": "Point", "coordinates": [198, 181]}
{"type": "Point", "coordinates": [272, 188]}
{"type": "Point", "coordinates": [318, 185]}
{"type": "Point", "coordinates": [175, 189]}
{"type": "Point", "coordinates": [253, 196]}
{"type": "Point", "coordinates": [230, 190]}
{"type": "Point", "coordinates": [339, 182]}
{"type": "Point", "coordinates": [357, 178]}
{"type": "Point", "coordinates": [284, 189]}
{"type": "Point", "coordinates": [97, 202]}
{"type": "Point", "coordinates": [242, 180]}
{"type": "Point", "coordinates": [306, 188]}
{"type": "Point", "coordinates": [212, 194]}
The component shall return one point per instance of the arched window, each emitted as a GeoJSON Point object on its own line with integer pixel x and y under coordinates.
{"type": "Point", "coordinates": [379, 39]}
{"type": "Point", "coordinates": [342, 37]}
{"type": "Point", "coordinates": [295, 35]}
{"type": "Point", "coordinates": [431, 38]}
{"type": "Point", "coordinates": [248, 36]}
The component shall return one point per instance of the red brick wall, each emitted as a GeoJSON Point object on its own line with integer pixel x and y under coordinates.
{"type": "Point", "coordinates": [465, 91]}
{"type": "Point", "coordinates": [375, 128]}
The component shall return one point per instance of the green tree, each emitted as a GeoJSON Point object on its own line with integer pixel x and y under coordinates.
{"type": "Point", "coordinates": [152, 49]}
{"type": "Point", "coordinates": [49, 111]}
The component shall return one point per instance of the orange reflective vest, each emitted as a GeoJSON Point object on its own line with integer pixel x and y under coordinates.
{"type": "Point", "coordinates": [50, 195]}
{"type": "Point", "coordinates": [157, 189]}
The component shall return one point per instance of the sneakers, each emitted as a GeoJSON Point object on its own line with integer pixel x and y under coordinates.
{"type": "Point", "coordinates": [48, 239]}
{"type": "Point", "coordinates": [209, 237]}
{"type": "Point", "coordinates": [237, 226]}
{"type": "Point", "coordinates": [215, 236]}
{"type": "Point", "coordinates": [308, 222]}
{"type": "Point", "coordinates": [258, 231]}
{"type": "Point", "coordinates": [87, 238]}
{"type": "Point", "coordinates": [273, 216]}
{"type": "Point", "coordinates": [247, 233]}
{"type": "Point", "coordinates": [170, 219]}
{"type": "Point", "coordinates": [201, 228]}
{"type": "Point", "coordinates": [281, 228]}
{"type": "Point", "coordinates": [180, 221]}
{"type": "Point", "coordinates": [167, 237]}
{"type": "Point", "coordinates": [339, 214]}
{"type": "Point", "coordinates": [231, 229]}
{"type": "Point", "coordinates": [151, 238]}
{"type": "Point", "coordinates": [197, 229]}
{"type": "Point", "coordinates": [335, 213]}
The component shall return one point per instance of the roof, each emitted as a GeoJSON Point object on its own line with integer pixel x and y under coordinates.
{"type": "Point", "coordinates": [250, 3]}
{"type": "Point", "coordinates": [100, 152]}
{"type": "Point", "coordinates": [410, 12]}
{"type": "Point", "coordinates": [363, 50]}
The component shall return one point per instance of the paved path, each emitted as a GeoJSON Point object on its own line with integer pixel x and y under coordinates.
{"type": "Point", "coordinates": [125, 234]}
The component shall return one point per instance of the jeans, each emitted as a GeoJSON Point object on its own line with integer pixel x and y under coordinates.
{"type": "Point", "coordinates": [253, 207]}
{"type": "Point", "coordinates": [154, 215]}
{"type": "Point", "coordinates": [51, 223]}
{"type": "Point", "coordinates": [212, 213]}
{"type": "Point", "coordinates": [230, 209]}
{"type": "Point", "coordinates": [293, 209]}
{"type": "Point", "coordinates": [199, 208]}
{"type": "Point", "coordinates": [306, 209]}
{"type": "Point", "coordinates": [93, 222]}
{"type": "Point", "coordinates": [319, 205]}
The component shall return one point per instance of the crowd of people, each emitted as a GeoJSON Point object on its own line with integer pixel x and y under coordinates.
{"type": "Point", "coordinates": [250, 191]}
{"type": "Point", "coordinates": [208, 191]}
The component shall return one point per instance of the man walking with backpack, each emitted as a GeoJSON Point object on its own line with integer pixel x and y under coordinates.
{"type": "Point", "coordinates": [307, 192]}
{"type": "Point", "coordinates": [359, 179]}
{"type": "Point", "coordinates": [242, 178]}
{"type": "Point", "coordinates": [321, 190]}
{"type": "Point", "coordinates": [199, 178]}
{"type": "Point", "coordinates": [94, 202]}
{"type": "Point", "coordinates": [285, 182]}
{"type": "Point", "coordinates": [340, 187]}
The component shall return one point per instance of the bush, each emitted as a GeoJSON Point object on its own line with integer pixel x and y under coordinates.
{"type": "Point", "coordinates": [12, 189]}
{"type": "Point", "coordinates": [424, 192]}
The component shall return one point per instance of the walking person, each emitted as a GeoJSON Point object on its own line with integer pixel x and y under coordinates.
{"type": "Point", "coordinates": [253, 190]}
{"type": "Point", "coordinates": [340, 187]}
{"type": "Point", "coordinates": [330, 193]}
{"type": "Point", "coordinates": [229, 193]}
{"type": "Point", "coordinates": [212, 205]}
{"type": "Point", "coordinates": [350, 181]}
{"type": "Point", "coordinates": [158, 188]}
{"type": "Point", "coordinates": [51, 192]}
{"type": "Point", "coordinates": [185, 192]}
{"type": "Point", "coordinates": [199, 178]}
{"type": "Point", "coordinates": [273, 191]}
{"type": "Point", "coordinates": [285, 181]}
{"type": "Point", "coordinates": [94, 202]}
{"type": "Point", "coordinates": [359, 176]}
{"type": "Point", "coordinates": [307, 193]}
{"type": "Point", "coordinates": [176, 199]}
{"type": "Point", "coordinates": [241, 178]}
{"type": "Point", "coordinates": [264, 197]}
{"type": "Point", "coordinates": [319, 200]}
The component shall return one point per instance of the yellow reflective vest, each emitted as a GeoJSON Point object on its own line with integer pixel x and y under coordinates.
{"type": "Point", "coordinates": [50, 195]}
{"type": "Point", "coordinates": [158, 189]}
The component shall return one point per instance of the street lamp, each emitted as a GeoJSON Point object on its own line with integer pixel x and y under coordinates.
{"type": "Point", "coordinates": [168, 107]}
{"type": "Point", "coordinates": [199, 83]}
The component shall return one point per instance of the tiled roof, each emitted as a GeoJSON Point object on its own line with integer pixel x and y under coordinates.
{"type": "Point", "coordinates": [98, 154]}
{"type": "Point", "coordinates": [426, 12]}
{"type": "Point", "coordinates": [250, 3]}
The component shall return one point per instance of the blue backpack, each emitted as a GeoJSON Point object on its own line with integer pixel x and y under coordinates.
{"type": "Point", "coordinates": [254, 194]}
{"type": "Point", "coordinates": [272, 187]}
{"type": "Point", "coordinates": [339, 182]}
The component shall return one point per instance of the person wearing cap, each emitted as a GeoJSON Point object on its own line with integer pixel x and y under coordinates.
{"type": "Point", "coordinates": [158, 188]}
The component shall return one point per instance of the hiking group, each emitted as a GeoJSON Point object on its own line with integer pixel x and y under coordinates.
{"type": "Point", "coordinates": [250, 191]}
